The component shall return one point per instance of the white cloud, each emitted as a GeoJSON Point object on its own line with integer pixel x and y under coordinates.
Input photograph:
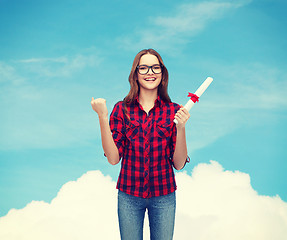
{"type": "Point", "coordinates": [61, 66]}
{"type": "Point", "coordinates": [189, 19]}
{"type": "Point", "coordinates": [82, 210]}
{"type": "Point", "coordinates": [193, 17]}
{"type": "Point", "coordinates": [42, 60]}
{"type": "Point", "coordinates": [8, 74]}
{"type": "Point", "coordinates": [211, 204]}
{"type": "Point", "coordinates": [218, 204]}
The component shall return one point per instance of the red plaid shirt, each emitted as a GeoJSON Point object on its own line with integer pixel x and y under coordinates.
{"type": "Point", "coordinates": [146, 145]}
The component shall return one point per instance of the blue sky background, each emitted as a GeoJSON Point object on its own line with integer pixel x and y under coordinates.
{"type": "Point", "coordinates": [56, 55]}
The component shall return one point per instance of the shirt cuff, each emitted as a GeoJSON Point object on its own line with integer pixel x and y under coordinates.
{"type": "Point", "coordinates": [120, 149]}
{"type": "Point", "coordinates": [186, 161]}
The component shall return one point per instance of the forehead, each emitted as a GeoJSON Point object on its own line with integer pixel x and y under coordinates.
{"type": "Point", "coordinates": [148, 59]}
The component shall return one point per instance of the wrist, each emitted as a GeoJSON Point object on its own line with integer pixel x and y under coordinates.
{"type": "Point", "coordinates": [180, 128]}
{"type": "Point", "coordinates": [103, 117]}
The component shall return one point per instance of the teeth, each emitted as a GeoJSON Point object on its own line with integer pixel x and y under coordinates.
{"type": "Point", "coordinates": [150, 79]}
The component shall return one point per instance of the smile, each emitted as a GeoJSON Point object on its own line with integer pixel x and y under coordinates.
{"type": "Point", "coordinates": [150, 79]}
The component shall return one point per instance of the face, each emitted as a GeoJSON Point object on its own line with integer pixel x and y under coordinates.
{"type": "Point", "coordinates": [150, 80]}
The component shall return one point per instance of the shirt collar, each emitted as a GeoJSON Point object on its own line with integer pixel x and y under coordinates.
{"type": "Point", "coordinates": [157, 102]}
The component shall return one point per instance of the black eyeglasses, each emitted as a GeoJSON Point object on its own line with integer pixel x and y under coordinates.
{"type": "Point", "coordinates": [143, 69]}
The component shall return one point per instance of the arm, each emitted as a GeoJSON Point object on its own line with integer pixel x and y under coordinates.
{"type": "Point", "coordinates": [180, 152]}
{"type": "Point", "coordinates": [109, 146]}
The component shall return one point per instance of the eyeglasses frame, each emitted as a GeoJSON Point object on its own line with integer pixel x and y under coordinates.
{"type": "Point", "coordinates": [149, 67]}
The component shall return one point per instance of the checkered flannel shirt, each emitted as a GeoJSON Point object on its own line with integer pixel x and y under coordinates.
{"type": "Point", "coordinates": [146, 144]}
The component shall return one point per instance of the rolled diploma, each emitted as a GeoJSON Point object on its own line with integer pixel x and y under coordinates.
{"type": "Point", "coordinates": [198, 92]}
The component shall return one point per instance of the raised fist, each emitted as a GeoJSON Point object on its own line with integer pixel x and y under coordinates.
{"type": "Point", "coordinates": [100, 107]}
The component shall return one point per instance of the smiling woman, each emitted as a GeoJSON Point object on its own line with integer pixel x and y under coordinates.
{"type": "Point", "coordinates": [142, 134]}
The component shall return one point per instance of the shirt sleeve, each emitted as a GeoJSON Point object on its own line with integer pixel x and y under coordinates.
{"type": "Point", "coordinates": [118, 128]}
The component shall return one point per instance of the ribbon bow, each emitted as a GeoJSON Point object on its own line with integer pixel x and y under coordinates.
{"type": "Point", "coordinates": [193, 97]}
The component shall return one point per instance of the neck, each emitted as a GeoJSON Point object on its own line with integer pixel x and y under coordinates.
{"type": "Point", "coordinates": [147, 98]}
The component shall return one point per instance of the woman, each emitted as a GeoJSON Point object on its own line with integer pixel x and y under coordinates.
{"type": "Point", "coordinates": [142, 134]}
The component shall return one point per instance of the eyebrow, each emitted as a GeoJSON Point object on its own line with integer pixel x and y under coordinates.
{"type": "Point", "coordinates": [149, 65]}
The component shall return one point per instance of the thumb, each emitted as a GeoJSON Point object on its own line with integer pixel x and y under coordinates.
{"type": "Point", "coordinates": [92, 98]}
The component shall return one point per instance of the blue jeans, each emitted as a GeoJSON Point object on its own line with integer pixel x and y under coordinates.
{"type": "Point", "coordinates": [161, 214]}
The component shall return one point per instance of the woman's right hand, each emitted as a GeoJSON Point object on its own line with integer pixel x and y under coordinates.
{"type": "Point", "coordinates": [100, 107]}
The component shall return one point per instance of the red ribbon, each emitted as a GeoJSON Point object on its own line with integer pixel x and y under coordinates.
{"type": "Point", "coordinates": [193, 97]}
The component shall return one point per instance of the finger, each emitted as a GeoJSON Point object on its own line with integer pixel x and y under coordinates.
{"type": "Point", "coordinates": [183, 118]}
{"type": "Point", "coordinates": [181, 114]}
{"type": "Point", "coordinates": [177, 119]}
{"type": "Point", "coordinates": [180, 110]}
{"type": "Point", "coordinates": [177, 115]}
{"type": "Point", "coordinates": [184, 110]}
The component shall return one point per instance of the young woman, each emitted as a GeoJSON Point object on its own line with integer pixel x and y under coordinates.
{"type": "Point", "coordinates": [142, 134]}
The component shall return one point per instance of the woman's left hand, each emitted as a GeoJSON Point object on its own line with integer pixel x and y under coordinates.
{"type": "Point", "coordinates": [182, 115]}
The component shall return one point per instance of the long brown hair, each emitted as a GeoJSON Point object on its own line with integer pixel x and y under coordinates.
{"type": "Point", "coordinates": [134, 85]}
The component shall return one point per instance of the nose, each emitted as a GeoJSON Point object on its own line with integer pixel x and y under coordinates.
{"type": "Point", "coordinates": [149, 71]}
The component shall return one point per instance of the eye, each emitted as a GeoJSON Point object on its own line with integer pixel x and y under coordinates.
{"type": "Point", "coordinates": [142, 67]}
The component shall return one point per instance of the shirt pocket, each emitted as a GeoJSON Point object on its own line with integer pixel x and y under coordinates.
{"type": "Point", "coordinates": [164, 129]}
{"type": "Point", "coordinates": [132, 131]}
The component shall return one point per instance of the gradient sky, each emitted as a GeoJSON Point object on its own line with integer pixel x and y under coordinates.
{"type": "Point", "coordinates": [56, 55]}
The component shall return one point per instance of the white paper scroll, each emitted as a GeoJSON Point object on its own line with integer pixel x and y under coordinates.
{"type": "Point", "coordinates": [198, 92]}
